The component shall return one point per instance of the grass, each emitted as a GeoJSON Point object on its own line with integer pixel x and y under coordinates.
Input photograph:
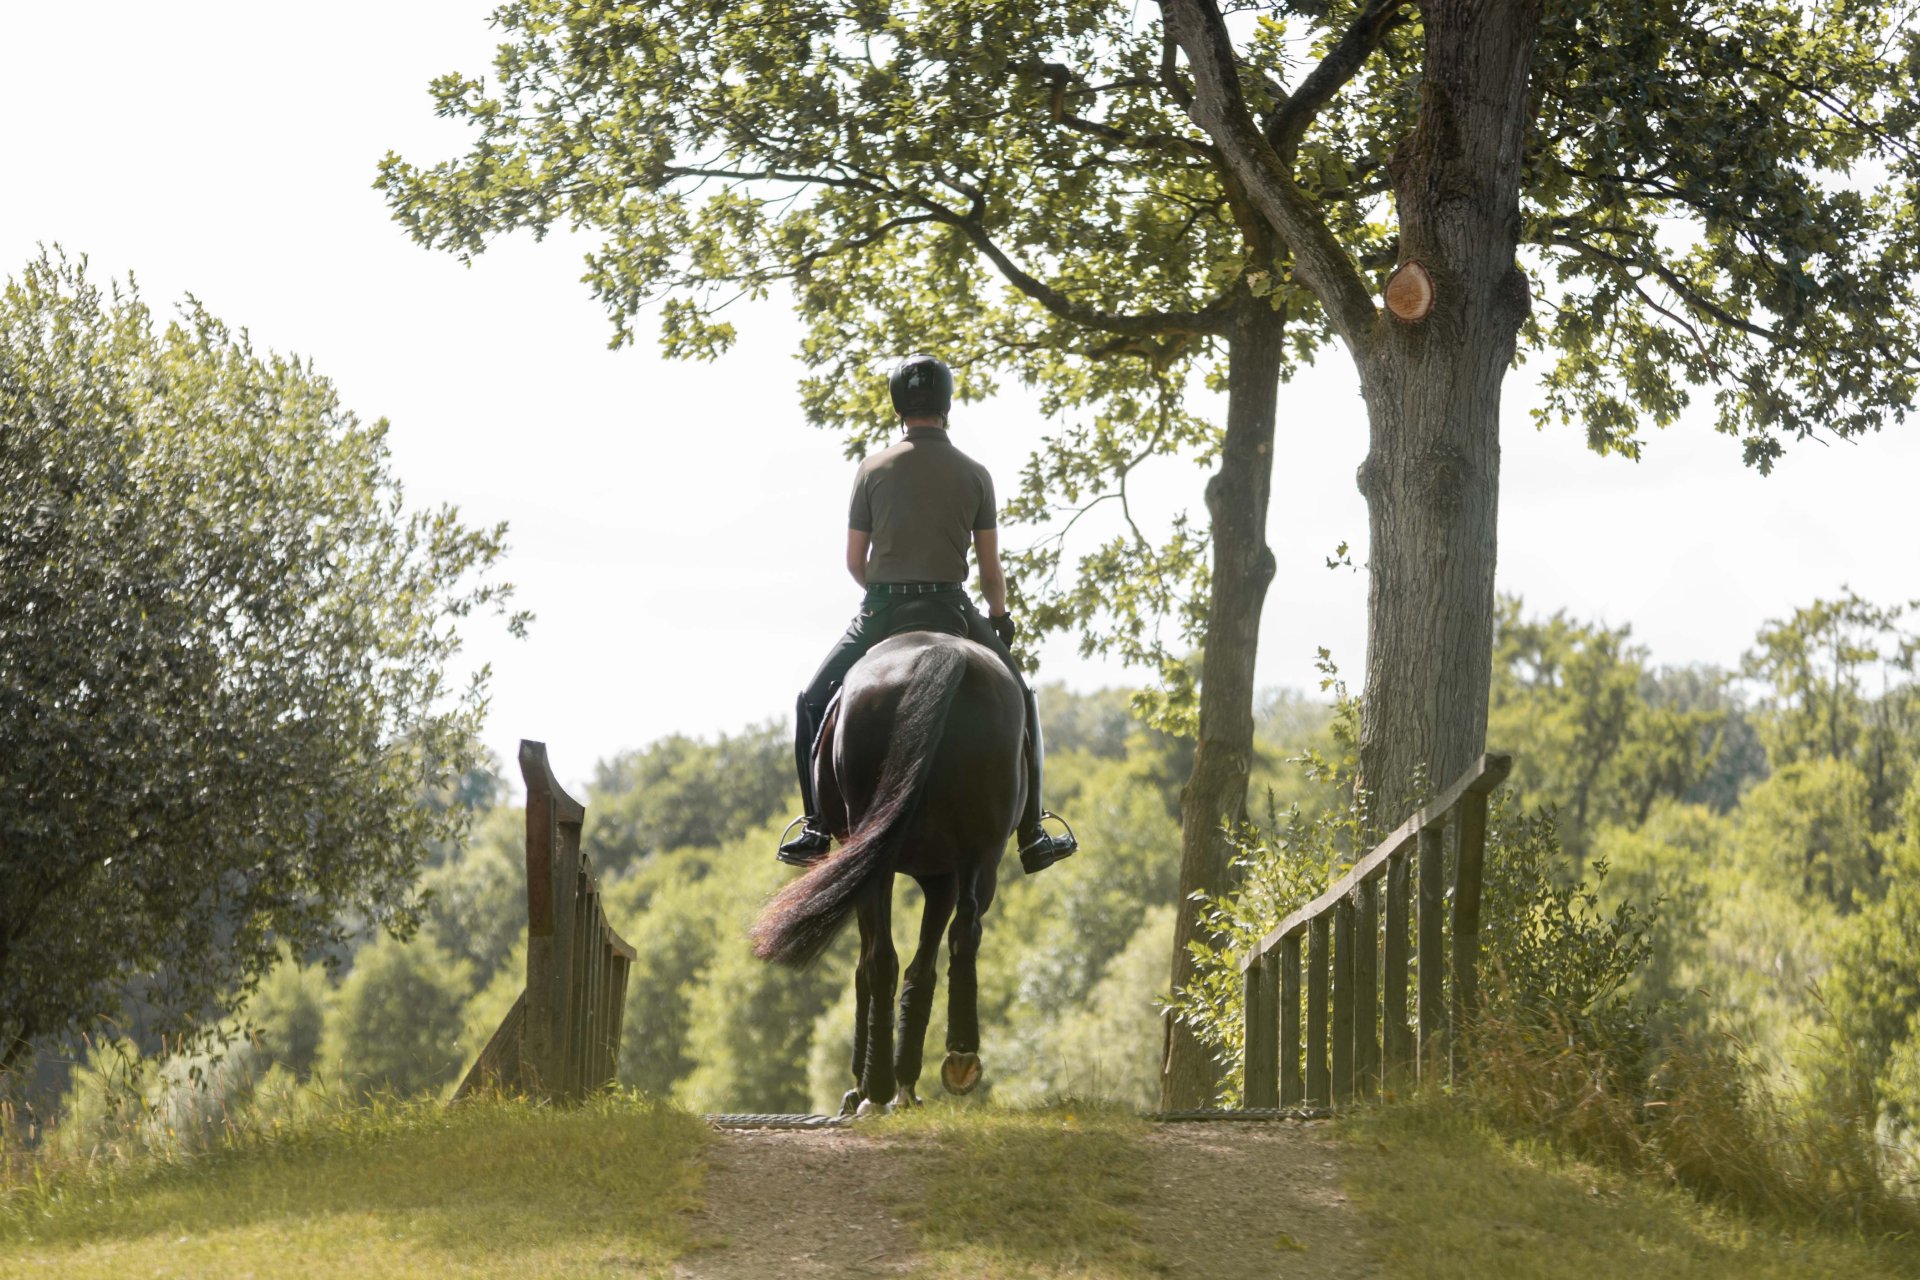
{"type": "Point", "coordinates": [1447, 1198]}
{"type": "Point", "coordinates": [1020, 1195]}
{"type": "Point", "coordinates": [488, 1189]}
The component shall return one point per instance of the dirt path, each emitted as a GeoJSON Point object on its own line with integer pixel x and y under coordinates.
{"type": "Point", "coordinates": [801, 1204]}
{"type": "Point", "coordinates": [1247, 1201]}
{"type": "Point", "coordinates": [1252, 1200]}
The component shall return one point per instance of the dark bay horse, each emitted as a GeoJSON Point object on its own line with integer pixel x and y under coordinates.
{"type": "Point", "coordinates": [918, 770]}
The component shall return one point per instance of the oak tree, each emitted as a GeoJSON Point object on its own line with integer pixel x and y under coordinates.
{"type": "Point", "coordinates": [1708, 194]}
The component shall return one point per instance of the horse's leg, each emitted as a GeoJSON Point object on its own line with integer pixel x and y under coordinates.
{"type": "Point", "coordinates": [922, 975]}
{"type": "Point", "coordinates": [882, 967]}
{"type": "Point", "coordinates": [851, 1100]}
{"type": "Point", "coordinates": [961, 1071]}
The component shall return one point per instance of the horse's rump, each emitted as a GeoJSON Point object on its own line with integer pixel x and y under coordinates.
{"type": "Point", "coordinates": [918, 770]}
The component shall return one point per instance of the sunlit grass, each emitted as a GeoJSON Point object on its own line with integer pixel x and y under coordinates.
{"type": "Point", "coordinates": [487, 1189]}
{"type": "Point", "coordinates": [1018, 1195]}
{"type": "Point", "coordinates": [1448, 1198]}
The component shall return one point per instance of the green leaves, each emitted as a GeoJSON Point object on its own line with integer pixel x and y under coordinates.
{"type": "Point", "coordinates": [223, 641]}
{"type": "Point", "coordinates": [1010, 186]}
{"type": "Point", "coordinates": [1723, 195]}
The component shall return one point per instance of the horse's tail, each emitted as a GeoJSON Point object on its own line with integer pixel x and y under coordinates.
{"type": "Point", "coordinates": [802, 919]}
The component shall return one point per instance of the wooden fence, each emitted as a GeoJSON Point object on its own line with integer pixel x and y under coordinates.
{"type": "Point", "coordinates": [1358, 1035]}
{"type": "Point", "coordinates": [561, 1039]}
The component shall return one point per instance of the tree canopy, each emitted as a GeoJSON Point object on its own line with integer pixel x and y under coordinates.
{"type": "Point", "coordinates": [223, 644]}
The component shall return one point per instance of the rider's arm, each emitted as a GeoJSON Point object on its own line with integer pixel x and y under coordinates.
{"type": "Point", "coordinates": [993, 582]}
{"type": "Point", "coordinates": [857, 541]}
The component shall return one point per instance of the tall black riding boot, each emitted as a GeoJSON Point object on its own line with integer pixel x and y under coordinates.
{"type": "Point", "coordinates": [1038, 850]}
{"type": "Point", "coordinates": [814, 840]}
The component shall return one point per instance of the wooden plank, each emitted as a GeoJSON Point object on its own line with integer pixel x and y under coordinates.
{"type": "Point", "coordinates": [591, 1050]}
{"type": "Point", "coordinates": [1396, 1041]}
{"type": "Point", "coordinates": [549, 927]}
{"type": "Point", "coordinates": [1343, 1000]}
{"type": "Point", "coordinates": [498, 1066]}
{"type": "Point", "coordinates": [1469, 853]}
{"type": "Point", "coordinates": [1317, 1094]}
{"type": "Point", "coordinates": [1433, 1009]}
{"type": "Point", "coordinates": [576, 989]}
{"type": "Point", "coordinates": [1486, 774]}
{"type": "Point", "coordinates": [1366, 988]}
{"type": "Point", "coordinates": [1260, 1080]}
{"type": "Point", "coordinates": [622, 964]}
{"type": "Point", "coordinates": [1289, 957]}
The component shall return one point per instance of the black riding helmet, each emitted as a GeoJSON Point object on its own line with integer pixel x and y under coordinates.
{"type": "Point", "coordinates": [921, 384]}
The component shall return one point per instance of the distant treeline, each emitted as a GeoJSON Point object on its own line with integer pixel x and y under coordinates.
{"type": "Point", "coordinates": [1772, 811]}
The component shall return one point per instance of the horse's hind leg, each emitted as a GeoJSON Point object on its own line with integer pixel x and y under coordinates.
{"type": "Point", "coordinates": [961, 1071]}
{"type": "Point", "coordinates": [922, 975]}
{"type": "Point", "coordinates": [880, 967]}
{"type": "Point", "coordinates": [852, 1098]}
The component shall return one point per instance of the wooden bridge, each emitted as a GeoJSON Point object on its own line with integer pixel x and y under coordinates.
{"type": "Point", "coordinates": [1358, 966]}
{"type": "Point", "coordinates": [561, 1040]}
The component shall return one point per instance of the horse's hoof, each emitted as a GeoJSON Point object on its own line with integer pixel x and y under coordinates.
{"type": "Point", "coordinates": [850, 1103]}
{"type": "Point", "coordinates": [868, 1107]}
{"type": "Point", "coordinates": [960, 1072]}
{"type": "Point", "coordinates": [905, 1099]}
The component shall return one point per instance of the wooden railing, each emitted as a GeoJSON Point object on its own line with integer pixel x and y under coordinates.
{"type": "Point", "coordinates": [561, 1039]}
{"type": "Point", "coordinates": [1357, 1031]}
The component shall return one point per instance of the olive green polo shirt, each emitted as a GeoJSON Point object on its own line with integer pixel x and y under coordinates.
{"type": "Point", "coordinates": [921, 501]}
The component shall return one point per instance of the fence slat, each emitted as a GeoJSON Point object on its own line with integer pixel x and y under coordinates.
{"type": "Point", "coordinates": [1433, 989]}
{"type": "Point", "coordinates": [1261, 1083]}
{"type": "Point", "coordinates": [1317, 1094]}
{"type": "Point", "coordinates": [1290, 1089]}
{"type": "Point", "coordinates": [1366, 988]}
{"type": "Point", "coordinates": [1469, 853]}
{"type": "Point", "coordinates": [1343, 1001]}
{"type": "Point", "coordinates": [1396, 1042]}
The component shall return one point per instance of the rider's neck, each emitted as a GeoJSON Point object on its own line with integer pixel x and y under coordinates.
{"type": "Point", "coordinates": [923, 420]}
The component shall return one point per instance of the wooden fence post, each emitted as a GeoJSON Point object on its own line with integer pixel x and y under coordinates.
{"type": "Point", "coordinates": [1291, 1092]}
{"type": "Point", "coordinates": [1366, 988]}
{"type": "Point", "coordinates": [1260, 1086]}
{"type": "Point", "coordinates": [1397, 1044]}
{"type": "Point", "coordinates": [1469, 852]}
{"type": "Point", "coordinates": [1343, 999]}
{"type": "Point", "coordinates": [1317, 1091]}
{"type": "Point", "coordinates": [1433, 965]}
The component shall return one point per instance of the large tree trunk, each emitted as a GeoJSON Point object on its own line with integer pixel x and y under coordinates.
{"type": "Point", "coordinates": [1242, 567]}
{"type": "Point", "coordinates": [1432, 390]}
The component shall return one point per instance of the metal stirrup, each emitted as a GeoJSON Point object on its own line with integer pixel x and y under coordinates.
{"type": "Point", "coordinates": [1048, 813]}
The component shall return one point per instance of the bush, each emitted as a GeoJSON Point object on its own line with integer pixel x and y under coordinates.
{"type": "Point", "coordinates": [395, 1026]}
{"type": "Point", "coordinates": [287, 1015]}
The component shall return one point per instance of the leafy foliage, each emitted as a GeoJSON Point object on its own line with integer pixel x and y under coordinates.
{"type": "Point", "coordinates": [1589, 727]}
{"type": "Point", "coordinates": [683, 793]}
{"type": "Point", "coordinates": [395, 1025]}
{"type": "Point", "coordinates": [223, 641]}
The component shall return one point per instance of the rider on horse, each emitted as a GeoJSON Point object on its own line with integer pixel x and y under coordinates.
{"type": "Point", "coordinates": [916, 508]}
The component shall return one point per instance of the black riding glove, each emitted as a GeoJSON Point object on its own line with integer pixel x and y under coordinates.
{"type": "Point", "coordinates": [1002, 624]}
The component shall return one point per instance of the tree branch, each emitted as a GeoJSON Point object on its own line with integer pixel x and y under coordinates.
{"type": "Point", "coordinates": [1220, 108]}
{"type": "Point", "coordinates": [1210, 320]}
{"type": "Point", "coordinates": [1059, 75]}
{"type": "Point", "coordinates": [1289, 122]}
{"type": "Point", "coordinates": [1667, 275]}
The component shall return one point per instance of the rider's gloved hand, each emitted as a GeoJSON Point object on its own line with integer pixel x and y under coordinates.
{"type": "Point", "coordinates": [1002, 624]}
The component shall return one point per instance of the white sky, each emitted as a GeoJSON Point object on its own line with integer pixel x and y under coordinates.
{"type": "Point", "coordinates": [678, 528]}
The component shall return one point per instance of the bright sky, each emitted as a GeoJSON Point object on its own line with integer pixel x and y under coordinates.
{"type": "Point", "coordinates": [678, 528]}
